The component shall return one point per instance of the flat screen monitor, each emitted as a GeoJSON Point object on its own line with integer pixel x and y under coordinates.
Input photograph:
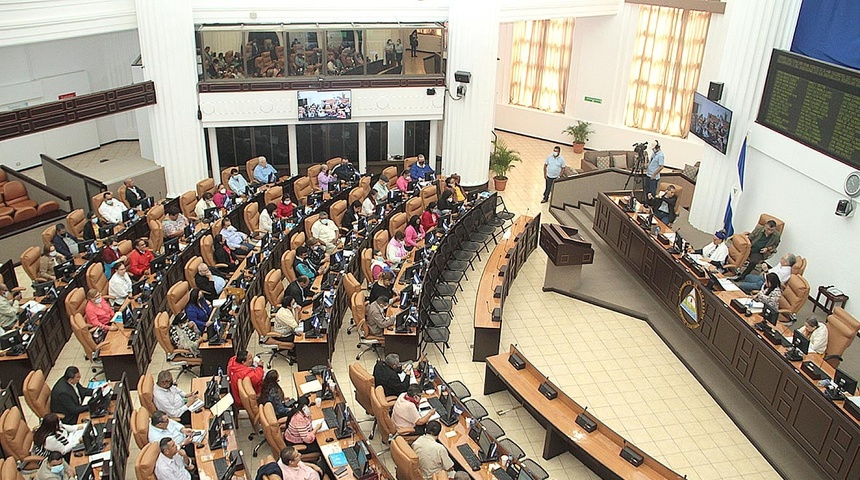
{"type": "Point", "coordinates": [770, 314]}
{"type": "Point", "coordinates": [845, 382]}
{"type": "Point", "coordinates": [328, 105]}
{"type": "Point", "coordinates": [65, 269]}
{"type": "Point", "coordinates": [252, 259]}
{"type": "Point", "coordinates": [171, 246]}
{"type": "Point", "coordinates": [800, 342]}
{"type": "Point", "coordinates": [41, 289]}
{"type": "Point", "coordinates": [711, 122]}
{"type": "Point", "coordinates": [137, 287]}
{"type": "Point", "coordinates": [10, 339]}
{"type": "Point", "coordinates": [487, 446]}
{"type": "Point", "coordinates": [215, 432]}
{"type": "Point", "coordinates": [395, 196]}
{"type": "Point", "coordinates": [158, 263]}
{"type": "Point", "coordinates": [189, 231]}
{"type": "Point", "coordinates": [380, 210]}
{"type": "Point", "coordinates": [146, 203]}
{"type": "Point", "coordinates": [85, 472]}
{"type": "Point", "coordinates": [129, 215]}
{"type": "Point", "coordinates": [211, 214]}
{"type": "Point", "coordinates": [106, 230]}
{"type": "Point", "coordinates": [85, 245]}
{"type": "Point", "coordinates": [524, 474]}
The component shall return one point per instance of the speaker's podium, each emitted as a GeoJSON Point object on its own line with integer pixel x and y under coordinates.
{"type": "Point", "coordinates": [567, 252]}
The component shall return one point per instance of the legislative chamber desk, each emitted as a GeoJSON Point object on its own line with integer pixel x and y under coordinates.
{"type": "Point", "coordinates": [204, 455]}
{"type": "Point", "coordinates": [821, 427]}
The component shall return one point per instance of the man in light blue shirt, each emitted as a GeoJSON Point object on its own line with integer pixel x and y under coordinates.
{"type": "Point", "coordinates": [552, 168]}
{"type": "Point", "coordinates": [264, 173]}
{"type": "Point", "coordinates": [653, 171]}
{"type": "Point", "coordinates": [236, 240]}
{"type": "Point", "coordinates": [162, 426]}
{"type": "Point", "coordinates": [420, 168]}
{"type": "Point", "coordinates": [237, 182]}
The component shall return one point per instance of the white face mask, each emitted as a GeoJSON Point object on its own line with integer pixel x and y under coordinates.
{"type": "Point", "coordinates": [53, 254]}
{"type": "Point", "coordinates": [98, 301]}
{"type": "Point", "coordinates": [223, 191]}
{"type": "Point", "coordinates": [109, 202]}
{"type": "Point", "coordinates": [306, 410]}
{"type": "Point", "coordinates": [95, 220]}
{"type": "Point", "coordinates": [555, 154]}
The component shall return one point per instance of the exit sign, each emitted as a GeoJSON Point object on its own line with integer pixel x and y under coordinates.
{"type": "Point", "coordinates": [593, 99]}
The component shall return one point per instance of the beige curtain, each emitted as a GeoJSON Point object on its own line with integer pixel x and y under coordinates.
{"type": "Point", "coordinates": [540, 63]}
{"type": "Point", "coordinates": [667, 58]}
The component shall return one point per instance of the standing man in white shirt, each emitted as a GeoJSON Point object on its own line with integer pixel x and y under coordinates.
{"type": "Point", "coordinates": [171, 463]}
{"type": "Point", "coordinates": [111, 209]}
{"type": "Point", "coordinates": [552, 168]}
{"type": "Point", "coordinates": [655, 166]}
{"type": "Point", "coordinates": [817, 335]}
{"type": "Point", "coordinates": [171, 399]}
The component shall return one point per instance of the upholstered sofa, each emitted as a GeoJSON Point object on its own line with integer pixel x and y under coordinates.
{"type": "Point", "coordinates": [601, 159]}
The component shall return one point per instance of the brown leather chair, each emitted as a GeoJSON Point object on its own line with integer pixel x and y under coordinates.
{"type": "Point", "coordinates": [16, 438]}
{"type": "Point", "coordinates": [156, 235]}
{"type": "Point", "coordinates": [429, 194]}
{"type": "Point", "coordinates": [366, 261]}
{"type": "Point", "coordinates": [309, 222]}
{"type": "Point", "coordinates": [842, 328]}
{"type": "Point", "coordinates": [336, 212]}
{"type": "Point", "coordinates": [37, 393]}
{"type": "Point", "coordinates": [9, 470]}
{"type": "Point", "coordinates": [252, 216]}
{"type": "Point", "coordinates": [216, 227]}
{"type": "Point", "coordinates": [96, 202]}
{"type": "Point", "coordinates": [363, 383]}
{"type": "Point", "coordinates": [397, 223]}
{"type": "Point", "coordinates": [15, 196]}
{"type": "Point", "coordinates": [288, 259]}
{"type": "Point", "coordinates": [249, 400]}
{"type": "Point", "coordinates": [357, 193]}
{"type": "Point", "coordinates": [96, 278]}
{"type": "Point", "coordinates": [162, 336]}
{"type": "Point", "coordinates": [205, 185]}
{"type": "Point", "coordinates": [155, 213]}
{"type": "Point", "coordinates": [225, 179]}
{"type": "Point", "coordinates": [144, 465]}
{"type": "Point", "coordinates": [380, 241]}
{"type": "Point", "coordinates": [679, 192]}
{"type": "Point", "coordinates": [30, 260]}
{"type": "Point", "coordinates": [794, 295]}
{"type": "Point", "coordinates": [408, 162]}
{"type": "Point", "coordinates": [351, 285]}
{"type": "Point", "coordinates": [120, 195]}
{"type": "Point", "coordinates": [333, 162]}
{"type": "Point", "coordinates": [25, 213]}
{"type": "Point", "coordinates": [799, 266]}
{"type": "Point", "coordinates": [48, 234]}
{"type": "Point", "coordinates": [414, 206]}
{"type": "Point", "coordinates": [313, 176]}
{"type": "Point", "coordinates": [177, 297]}
{"type": "Point", "coordinates": [764, 217]}
{"type": "Point", "coordinates": [45, 208]}
{"type": "Point", "coordinates": [6, 221]}
{"type": "Point", "coordinates": [76, 302]}
{"type": "Point", "coordinates": [273, 287]}
{"type": "Point", "coordinates": [739, 251]}
{"type": "Point", "coordinates": [140, 419]}
{"type": "Point", "coordinates": [81, 329]}
{"type": "Point", "coordinates": [191, 270]}
{"type": "Point", "coordinates": [273, 195]}
{"type": "Point", "coordinates": [207, 251]}
{"type": "Point", "coordinates": [187, 202]}
{"type": "Point", "coordinates": [364, 182]}
{"type": "Point", "coordinates": [405, 460]}
{"type": "Point", "coordinates": [382, 413]}
{"type": "Point", "coordinates": [298, 240]}
{"type": "Point", "coordinates": [75, 222]}
{"type": "Point", "coordinates": [145, 388]}
{"type": "Point", "coordinates": [271, 428]}
{"type": "Point", "coordinates": [250, 165]}
{"type": "Point", "coordinates": [3, 178]}
{"type": "Point", "coordinates": [268, 338]}
{"type": "Point", "coordinates": [302, 188]}
{"type": "Point", "coordinates": [391, 173]}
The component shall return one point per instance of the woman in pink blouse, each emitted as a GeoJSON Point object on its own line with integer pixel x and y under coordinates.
{"type": "Point", "coordinates": [414, 232]}
{"type": "Point", "coordinates": [403, 181]}
{"type": "Point", "coordinates": [324, 178]}
{"type": "Point", "coordinates": [99, 312]}
{"type": "Point", "coordinates": [300, 431]}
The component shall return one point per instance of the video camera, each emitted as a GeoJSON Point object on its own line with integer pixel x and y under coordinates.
{"type": "Point", "coordinates": [640, 147]}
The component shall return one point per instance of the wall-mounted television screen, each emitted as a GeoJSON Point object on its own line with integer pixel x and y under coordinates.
{"type": "Point", "coordinates": [330, 105]}
{"type": "Point", "coordinates": [711, 122]}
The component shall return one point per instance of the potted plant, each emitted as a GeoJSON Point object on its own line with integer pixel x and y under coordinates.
{"type": "Point", "coordinates": [502, 160]}
{"type": "Point", "coordinates": [580, 133]}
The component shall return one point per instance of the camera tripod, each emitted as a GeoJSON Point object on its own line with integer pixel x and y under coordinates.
{"type": "Point", "coordinates": [637, 173]}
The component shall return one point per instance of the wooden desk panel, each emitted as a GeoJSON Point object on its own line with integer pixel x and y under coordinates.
{"type": "Point", "coordinates": [821, 427]}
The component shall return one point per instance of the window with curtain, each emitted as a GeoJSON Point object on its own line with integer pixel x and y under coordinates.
{"type": "Point", "coordinates": [540, 63]}
{"type": "Point", "coordinates": [667, 59]}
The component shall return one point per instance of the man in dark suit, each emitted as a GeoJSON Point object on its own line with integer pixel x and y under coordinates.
{"type": "Point", "coordinates": [209, 282]}
{"type": "Point", "coordinates": [388, 374]}
{"type": "Point", "coordinates": [59, 241]}
{"type": "Point", "coordinates": [298, 291]}
{"type": "Point", "coordinates": [68, 394]}
{"type": "Point", "coordinates": [133, 194]}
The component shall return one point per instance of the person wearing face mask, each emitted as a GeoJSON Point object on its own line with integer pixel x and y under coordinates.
{"type": "Point", "coordinates": [300, 430]}
{"type": "Point", "coordinates": [206, 201]}
{"type": "Point", "coordinates": [381, 188]}
{"type": "Point", "coordinates": [236, 240]}
{"type": "Point", "coordinates": [552, 168]}
{"type": "Point", "coordinates": [397, 248]}
{"type": "Point", "coordinates": [414, 232]}
{"type": "Point", "coordinates": [263, 172]}
{"type": "Point", "coordinates": [91, 228]}
{"type": "Point", "coordinates": [325, 230]}
{"type": "Point", "coordinates": [324, 178]}
{"type": "Point", "coordinates": [368, 206]}
{"type": "Point", "coordinates": [224, 254]}
{"type": "Point", "coordinates": [170, 399]}
{"type": "Point", "coordinates": [140, 258]}
{"type": "Point", "coordinates": [430, 217]}
{"type": "Point", "coordinates": [237, 182]}
{"type": "Point", "coordinates": [59, 240]}
{"type": "Point", "coordinates": [54, 467]}
{"type": "Point", "coordinates": [420, 169]}
{"type": "Point", "coordinates": [111, 256]}
{"type": "Point", "coordinates": [133, 194]}
{"type": "Point", "coordinates": [350, 218]}
{"type": "Point", "coordinates": [403, 180]}
{"type": "Point", "coordinates": [99, 313]}
{"type": "Point", "coordinates": [9, 306]}
{"type": "Point", "coordinates": [119, 286]}
{"type": "Point", "coordinates": [50, 259]}
{"type": "Point", "coordinates": [302, 265]}
{"type": "Point", "coordinates": [111, 209]}
{"type": "Point", "coordinates": [285, 207]}
{"type": "Point", "coordinates": [220, 196]}
{"type": "Point", "coordinates": [316, 253]}
{"type": "Point", "coordinates": [208, 282]}
{"type": "Point", "coordinates": [378, 264]}
{"type": "Point", "coordinates": [267, 218]}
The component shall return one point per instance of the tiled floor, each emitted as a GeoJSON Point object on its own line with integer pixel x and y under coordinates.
{"type": "Point", "coordinates": [614, 364]}
{"type": "Point", "coordinates": [110, 163]}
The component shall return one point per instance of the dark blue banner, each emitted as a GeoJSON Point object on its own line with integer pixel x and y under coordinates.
{"type": "Point", "coordinates": [829, 30]}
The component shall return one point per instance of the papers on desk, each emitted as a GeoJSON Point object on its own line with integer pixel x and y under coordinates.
{"type": "Point", "coordinates": [700, 260]}
{"type": "Point", "coordinates": [330, 448]}
{"type": "Point", "coordinates": [218, 302]}
{"type": "Point", "coordinates": [94, 384]}
{"type": "Point", "coordinates": [321, 423]}
{"type": "Point", "coordinates": [729, 285]}
{"type": "Point", "coordinates": [310, 387]}
{"type": "Point", "coordinates": [854, 400]}
{"type": "Point", "coordinates": [755, 307]}
{"type": "Point", "coordinates": [34, 306]}
{"type": "Point", "coordinates": [197, 405]}
{"type": "Point", "coordinates": [198, 436]}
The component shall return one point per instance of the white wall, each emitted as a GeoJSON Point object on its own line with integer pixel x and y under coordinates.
{"type": "Point", "coordinates": [25, 22]}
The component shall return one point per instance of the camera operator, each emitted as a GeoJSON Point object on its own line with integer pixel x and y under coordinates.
{"type": "Point", "coordinates": [653, 171]}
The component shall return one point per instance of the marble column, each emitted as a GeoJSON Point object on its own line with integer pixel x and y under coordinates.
{"type": "Point", "coordinates": [166, 31]}
{"type": "Point", "coordinates": [473, 43]}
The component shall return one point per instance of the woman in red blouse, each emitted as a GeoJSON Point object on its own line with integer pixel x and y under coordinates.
{"type": "Point", "coordinates": [99, 312]}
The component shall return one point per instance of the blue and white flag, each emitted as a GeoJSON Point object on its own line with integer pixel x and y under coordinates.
{"type": "Point", "coordinates": [737, 189]}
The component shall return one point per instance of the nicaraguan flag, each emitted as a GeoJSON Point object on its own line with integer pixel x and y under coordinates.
{"type": "Point", "coordinates": [737, 189]}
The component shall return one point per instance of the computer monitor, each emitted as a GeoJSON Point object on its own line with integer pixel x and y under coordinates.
{"type": "Point", "coordinates": [401, 322]}
{"type": "Point", "coordinates": [445, 221]}
{"type": "Point", "coordinates": [342, 429]}
{"type": "Point", "coordinates": [11, 339]}
{"type": "Point", "coordinates": [212, 394]}
{"type": "Point", "coordinates": [146, 203]}
{"type": "Point", "coordinates": [395, 196]}
{"type": "Point", "coordinates": [336, 263]}
{"type": "Point", "coordinates": [85, 245]}
{"type": "Point", "coordinates": [312, 326]}
{"type": "Point", "coordinates": [428, 176]}
{"type": "Point", "coordinates": [488, 449]}
{"type": "Point", "coordinates": [524, 474]}
{"type": "Point", "coordinates": [228, 474]}
{"type": "Point", "coordinates": [278, 226]}
{"type": "Point", "coordinates": [106, 230]}
{"type": "Point", "coordinates": [314, 198]}
{"type": "Point", "coordinates": [189, 231]}
{"type": "Point", "coordinates": [215, 331]}
{"type": "Point", "coordinates": [40, 289]}
{"type": "Point", "coordinates": [405, 299]}
{"type": "Point", "coordinates": [85, 472]}
{"type": "Point", "coordinates": [137, 287]}
{"type": "Point", "coordinates": [361, 458]}
{"type": "Point", "coordinates": [770, 314]}
{"type": "Point", "coordinates": [410, 187]}
{"type": "Point", "coordinates": [171, 246]}
{"type": "Point", "coordinates": [844, 382]}
{"type": "Point", "coordinates": [228, 202]}
{"type": "Point", "coordinates": [129, 215]}
{"type": "Point", "coordinates": [252, 259]}
{"type": "Point", "coordinates": [158, 263]}
{"type": "Point", "coordinates": [334, 187]}
{"type": "Point", "coordinates": [215, 432]}
{"type": "Point", "coordinates": [380, 210]}
{"type": "Point", "coordinates": [64, 270]}
{"type": "Point", "coordinates": [211, 214]}
{"type": "Point", "coordinates": [679, 242]}
{"type": "Point", "coordinates": [799, 347]}
{"type": "Point", "coordinates": [93, 441]}
{"type": "Point", "coordinates": [226, 308]}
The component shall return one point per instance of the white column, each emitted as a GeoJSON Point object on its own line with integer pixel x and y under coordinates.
{"type": "Point", "coordinates": [473, 43]}
{"type": "Point", "coordinates": [213, 154]}
{"type": "Point", "coordinates": [755, 28]}
{"type": "Point", "coordinates": [362, 147]}
{"type": "Point", "coordinates": [166, 31]}
{"type": "Point", "coordinates": [294, 150]}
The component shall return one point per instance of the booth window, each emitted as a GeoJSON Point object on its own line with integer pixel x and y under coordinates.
{"type": "Point", "coordinates": [540, 63]}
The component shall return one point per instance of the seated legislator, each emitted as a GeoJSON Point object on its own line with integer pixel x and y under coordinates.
{"type": "Point", "coordinates": [284, 320]}
{"type": "Point", "coordinates": [237, 182]}
{"type": "Point", "coordinates": [271, 392]}
{"type": "Point", "coordinates": [267, 217]}
{"type": "Point", "coordinates": [91, 227]}
{"type": "Point", "coordinates": [316, 252]}
{"type": "Point", "coordinates": [133, 194]}
{"type": "Point", "coordinates": [67, 394]}
{"type": "Point", "coordinates": [264, 173]}
{"type": "Point", "coordinates": [205, 202]}
{"type": "Point", "coordinates": [414, 232]}
{"type": "Point", "coordinates": [54, 467]}
{"type": "Point", "coordinates": [50, 259]}
{"type": "Point", "coordinates": [140, 258]}
{"type": "Point", "coordinates": [221, 196]}
{"type": "Point", "coordinates": [224, 254]}
{"type": "Point", "coordinates": [8, 307]}
{"type": "Point", "coordinates": [345, 172]}
{"type": "Point", "coordinates": [388, 374]}
{"type": "Point", "coordinates": [174, 223]}
{"type": "Point", "coordinates": [300, 430]}
{"type": "Point", "coordinates": [447, 203]}
{"type": "Point", "coordinates": [286, 208]}
{"type": "Point", "coordinates": [816, 332]}
{"type": "Point", "coordinates": [63, 241]}
{"type": "Point", "coordinates": [432, 456]}
{"type": "Point", "coordinates": [99, 313]}
{"type": "Point", "coordinates": [298, 291]}
{"type": "Point", "coordinates": [430, 217]}
{"type": "Point", "coordinates": [240, 366]}
{"type": "Point", "coordinates": [405, 414]}
{"type": "Point", "coordinates": [119, 285]}
{"type": "Point", "coordinates": [54, 436]}
{"type": "Point", "coordinates": [663, 205]}
{"type": "Point", "coordinates": [378, 264]}
{"type": "Point", "coordinates": [377, 322]}
{"type": "Point", "coordinates": [324, 178]}
{"type": "Point", "coordinates": [303, 266]}
{"type": "Point", "coordinates": [403, 180]}
{"type": "Point", "coordinates": [351, 217]}
{"type": "Point", "coordinates": [453, 183]}
{"type": "Point", "coordinates": [184, 335]}
{"type": "Point", "coordinates": [715, 252]}
{"type": "Point", "coordinates": [236, 240]}
{"type": "Point", "coordinates": [754, 281]}
{"type": "Point", "coordinates": [210, 283]}
{"type": "Point", "coordinates": [396, 251]}
{"type": "Point", "coordinates": [368, 206]}
{"type": "Point", "coordinates": [172, 463]}
{"type": "Point", "coordinates": [381, 188]}
{"type": "Point", "coordinates": [111, 255]}
{"type": "Point", "coordinates": [771, 292]}
{"type": "Point", "coordinates": [420, 169]}
{"type": "Point", "coordinates": [326, 230]}
{"type": "Point", "coordinates": [170, 399]}
{"type": "Point", "coordinates": [161, 426]}
{"type": "Point", "coordinates": [111, 209]}
{"type": "Point", "coordinates": [198, 309]}
{"type": "Point", "coordinates": [764, 240]}
{"type": "Point", "coordinates": [292, 467]}
{"type": "Point", "coordinates": [384, 285]}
